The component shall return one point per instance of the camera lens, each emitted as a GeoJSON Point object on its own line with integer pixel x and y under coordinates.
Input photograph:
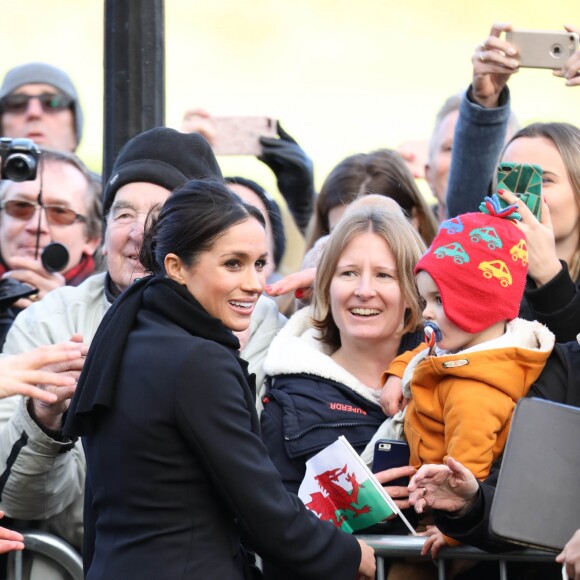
{"type": "Point", "coordinates": [557, 50]}
{"type": "Point", "coordinates": [20, 167]}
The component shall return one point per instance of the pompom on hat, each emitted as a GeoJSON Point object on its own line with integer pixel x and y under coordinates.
{"type": "Point", "coordinates": [479, 262]}
{"type": "Point", "coordinates": [164, 157]}
{"type": "Point", "coordinates": [45, 74]}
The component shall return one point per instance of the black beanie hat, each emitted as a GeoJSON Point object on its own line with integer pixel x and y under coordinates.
{"type": "Point", "coordinates": [164, 157]}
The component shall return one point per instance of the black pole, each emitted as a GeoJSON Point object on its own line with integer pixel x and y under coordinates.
{"type": "Point", "coordinates": [134, 73]}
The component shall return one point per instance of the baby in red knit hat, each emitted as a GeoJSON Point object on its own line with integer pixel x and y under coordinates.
{"type": "Point", "coordinates": [480, 359]}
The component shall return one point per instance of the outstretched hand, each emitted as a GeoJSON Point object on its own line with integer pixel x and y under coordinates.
{"type": "Point", "coordinates": [300, 283]}
{"type": "Point", "coordinates": [21, 373]}
{"type": "Point", "coordinates": [449, 487]}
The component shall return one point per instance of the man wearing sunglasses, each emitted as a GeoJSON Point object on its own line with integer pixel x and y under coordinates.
{"type": "Point", "coordinates": [39, 101]}
{"type": "Point", "coordinates": [68, 212]}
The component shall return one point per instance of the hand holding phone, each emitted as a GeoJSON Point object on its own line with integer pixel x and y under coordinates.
{"type": "Point", "coordinates": [523, 180]}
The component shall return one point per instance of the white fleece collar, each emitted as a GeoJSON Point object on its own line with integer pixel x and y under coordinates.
{"type": "Point", "coordinates": [296, 350]}
{"type": "Point", "coordinates": [521, 333]}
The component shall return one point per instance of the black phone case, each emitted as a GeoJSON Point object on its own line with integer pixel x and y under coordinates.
{"type": "Point", "coordinates": [391, 453]}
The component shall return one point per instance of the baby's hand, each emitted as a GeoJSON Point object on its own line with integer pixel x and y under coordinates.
{"type": "Point", "coordinates": [392, 399]}
{"type": "Point", "coordinates": [435, 541]}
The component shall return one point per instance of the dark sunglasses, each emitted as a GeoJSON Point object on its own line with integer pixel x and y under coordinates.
{"type": "Point", "coordinates": [55, 214]}
{"type": "Point", "coordinates": [50, 102]}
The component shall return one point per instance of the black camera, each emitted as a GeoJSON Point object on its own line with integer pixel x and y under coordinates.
{"type": "Point", "coordinates": [19, 159]}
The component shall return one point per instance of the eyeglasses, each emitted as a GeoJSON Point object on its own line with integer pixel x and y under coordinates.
{"type": "Point", "coordinates": [50, 102]}
{"type": "Point", "coordinates": [55, 214]}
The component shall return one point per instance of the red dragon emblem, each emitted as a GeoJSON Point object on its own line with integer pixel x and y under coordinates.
{"type": "Point", "coordinates": [335, 497]}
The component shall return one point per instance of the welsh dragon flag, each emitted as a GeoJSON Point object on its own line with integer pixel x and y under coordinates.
{"type": "Point", "coordinates": [340, 488]}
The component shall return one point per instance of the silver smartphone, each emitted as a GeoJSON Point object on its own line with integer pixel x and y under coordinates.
{"type": "Point", "coordinates": [241, 135]}
{"type": "Point", "coordinates": [543, 49]}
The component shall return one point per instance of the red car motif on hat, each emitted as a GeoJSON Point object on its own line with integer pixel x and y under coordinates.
{"type": "Point", "coordinates": [488, 235]}
{"type": "Point", "coordinates": [520, 252]}
{"type": "Point", "coordinates": [454, 251]}
{"type": "Point", "coordinates": [496, 269]}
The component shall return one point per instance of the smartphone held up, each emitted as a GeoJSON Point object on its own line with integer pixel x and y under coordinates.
{"type": "Point", "coordinates": [241, 135]}
{"type": "Point", "coordinates": [231, 134]}
{"type": "Point", "coordinates": [525, 181]}
{"type": "Point", "coordinates": [543, 49]}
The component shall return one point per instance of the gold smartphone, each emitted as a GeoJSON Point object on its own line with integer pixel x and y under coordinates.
{"type": "Point", "coordinates": [543, 49]}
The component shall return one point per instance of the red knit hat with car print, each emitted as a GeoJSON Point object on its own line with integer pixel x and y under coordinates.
{"type": "Point", "coordinates": [479, 262]}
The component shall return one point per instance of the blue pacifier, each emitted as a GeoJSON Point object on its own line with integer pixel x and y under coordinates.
{"type": "Point", "coordinates": [432, 335]}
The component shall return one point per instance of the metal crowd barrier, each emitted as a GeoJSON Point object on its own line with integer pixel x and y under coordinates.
{"type": "Point", "coordinates": [387, 547]}
{"type": "Point", "coordinates": [53, 548]}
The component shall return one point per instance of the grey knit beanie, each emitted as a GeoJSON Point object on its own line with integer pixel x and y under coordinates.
{"type": "Point", "coordinates": [42, 73]}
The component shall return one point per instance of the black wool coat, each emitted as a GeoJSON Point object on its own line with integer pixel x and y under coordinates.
{"type": "Point", "coordinates": [177, 473]}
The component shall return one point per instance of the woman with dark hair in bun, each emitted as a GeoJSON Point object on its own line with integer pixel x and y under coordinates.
{"type": "Point", "coordinates": [176, 469]}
